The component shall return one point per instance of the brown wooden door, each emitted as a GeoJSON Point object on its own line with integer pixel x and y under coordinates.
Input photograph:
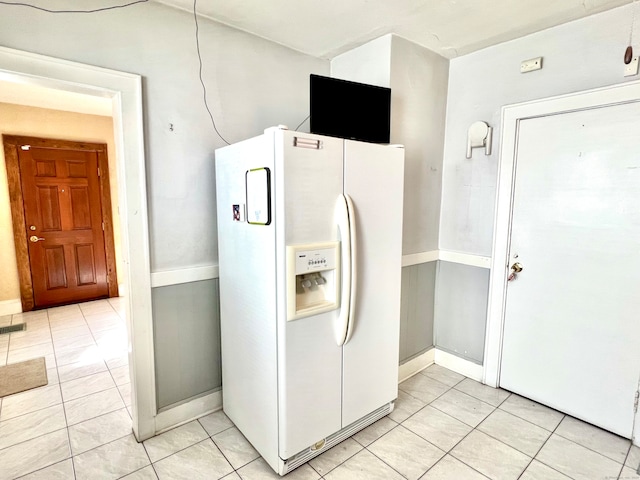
{"type": "Point", "coordinates": [63, 221]}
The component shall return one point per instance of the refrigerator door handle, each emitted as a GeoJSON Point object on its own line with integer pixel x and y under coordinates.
{"type": "Point", "coordinates": [353, 260]}
{"type": "Point", "coordinates": [341, 214]}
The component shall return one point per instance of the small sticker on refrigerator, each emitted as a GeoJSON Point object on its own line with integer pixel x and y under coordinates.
{"type": "Point", "coordinates": [238, 212]}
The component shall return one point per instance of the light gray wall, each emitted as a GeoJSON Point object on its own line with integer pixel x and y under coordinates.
{"type": "Point", "coordinates": [579, 55]}
{"type": "Point", "coordinates": [369, 63]}
{"type": "Point", "coordinates": [417, 309]}
{"type": "Point", "coordinates": [186, 337]}
{"type": "Point", "coordinates": [419, 80]}
{"type": "Point", "coordinates": [460, 310]}
{"type": "Point", "coordinates": [252, 84]}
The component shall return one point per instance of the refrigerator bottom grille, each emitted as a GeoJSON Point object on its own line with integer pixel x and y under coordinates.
{"type": "Point", "coordinates": [304, 456]}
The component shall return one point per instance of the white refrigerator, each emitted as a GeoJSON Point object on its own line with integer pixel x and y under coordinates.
{"type": "Point", "coordinates": [310, 256]}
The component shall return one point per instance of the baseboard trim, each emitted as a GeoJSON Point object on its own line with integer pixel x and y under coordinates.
{"type": "Point", "coordinates": [188, 411]}
{"type": "Point", "coordinates": [415, 365]}
{"type": "Point", "coordinates": [212, 402]}
{"type": "Point", "coordinates": [459, 365]}
{"type": "Point", "coordinates": [10, 307]}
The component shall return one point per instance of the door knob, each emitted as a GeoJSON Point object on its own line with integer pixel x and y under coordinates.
{"type": "Point", "coordinates": [35, 238]}
{"type": "Point", "coordinates": [515, 269]}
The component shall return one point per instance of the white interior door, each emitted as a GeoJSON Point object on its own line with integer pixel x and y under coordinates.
{"type": "Point", "coordinates": [572, 321]}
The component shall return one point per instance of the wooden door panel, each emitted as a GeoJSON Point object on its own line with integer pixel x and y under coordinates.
{"type": "Point", "coordinates": [80, 208]}
{"type": "Point", "coordinates": [77, 169]}
{"type": "Point", "coordinates": [55, 269]}
{"type": "Point", "coordinates": [85, 265]}
{"type": "Point", "coordinates": [45, 168]}
{"type": "Point", "coordinates": [48, 209]}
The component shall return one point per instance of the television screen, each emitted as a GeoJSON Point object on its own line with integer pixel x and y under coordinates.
{"type": "Point", "coordinates": [344, 109]}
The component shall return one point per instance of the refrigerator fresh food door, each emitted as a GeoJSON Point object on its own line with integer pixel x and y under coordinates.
{"type": "Point", "coordinates": [374, 179]}
{"type": "Point", "coordinates": [309, 177]}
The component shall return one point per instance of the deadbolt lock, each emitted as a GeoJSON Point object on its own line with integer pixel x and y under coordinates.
{"type": "Point", "coordinates": [32, 227]}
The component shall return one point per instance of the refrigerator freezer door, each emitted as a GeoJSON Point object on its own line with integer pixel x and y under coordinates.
{"type": "Point", "coordinates": [374, 179]}
{"type": "Point", "coordinates": [308, 181]}
{"type": "Point", "coordinates": [247, 259]}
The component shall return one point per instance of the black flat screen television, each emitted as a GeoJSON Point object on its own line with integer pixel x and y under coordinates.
{"type": "Point", "coordinates": [344, 109]}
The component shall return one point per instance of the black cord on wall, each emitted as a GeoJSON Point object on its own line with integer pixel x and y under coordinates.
{"type": "Point", "coordinates": [302, 122]}
{"type": "Point", "coordinates": [95, 10]}
{"type": "Point", "coordinates": [204, 87]}
{"type": "Point", "coordinates": [124, 5]}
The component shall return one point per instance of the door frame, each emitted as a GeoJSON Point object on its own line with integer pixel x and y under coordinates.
{"type": "Point", "coordinates": [11, 143]}
{"type": "Point", "coordinates": [511, 117]}
{"type": "Point", "coordinates": [125, 92]}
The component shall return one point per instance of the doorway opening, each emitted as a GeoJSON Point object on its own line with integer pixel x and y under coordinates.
{"type": "Point", "coordinates": [123, 94]}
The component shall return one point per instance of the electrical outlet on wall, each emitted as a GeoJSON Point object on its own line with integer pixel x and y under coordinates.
{"type": "Point", "coordinates": [631, 68]}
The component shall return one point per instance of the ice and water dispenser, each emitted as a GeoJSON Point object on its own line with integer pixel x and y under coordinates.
{"type": "Point", "coordinates": [313, 279]}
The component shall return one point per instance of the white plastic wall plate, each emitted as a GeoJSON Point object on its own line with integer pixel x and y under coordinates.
{"type": "Point", "coordinates": [631, 68]}
{"type": "Point", "coordinates": [531, 65]}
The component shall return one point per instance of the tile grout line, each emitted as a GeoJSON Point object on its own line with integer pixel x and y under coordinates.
{"type": "Point", "coordinates": [540, 449]}
{"type": "Point", "coordinates": [98, 446]}
{"type": "Point", "coordinates": [412, 396]}
{"type": "Point", "coordinates": [180, 450]}
{"type": "Point", "coordinates": [67, 428]}
{"type": "Point", "coordinates": [448, 452]}
{"type": "Point", "coordinates": [554, 432]}
{"type": "Point", "coordinates": [398, 425]}
{"type": "Point", "coordinates": [40, 469]}
{"type": "Point", "coordinates": [528, 421]}
{"type": "Point", "coordinates": [6, 359]}
{"type": "Point", "coordinates": [64, 410]}
{"type": "Point", "coordinates": [367, 449]}
{"type": "Point", "coordinates": [450, 387]}
{"type": "Point", "coordinates": [209, 437]}
{"type": "Point", "coordinates": [48, 433]}
{"type": "Point", "coordinates": [462, 439]}
{"type": "Point", "coordinates": [234, 469]}
{"type": "Point", "coordinates": [589, 448]}
{"type": "Point", "coordinates": [105, 362]}
{"type": "Point", "coordinates": [463, 422]}
{"type": "Point", "coordinates": [624, 461]}
{"type": "Point", "coordinates": [341, 463]}
{"type": "Point", "coordinates": [37, 409]}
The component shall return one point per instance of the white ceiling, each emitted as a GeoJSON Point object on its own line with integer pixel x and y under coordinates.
{"type": "Point", "coordinates": [42, 97]}
{"type": "Point", "coordinates": [326, 28]}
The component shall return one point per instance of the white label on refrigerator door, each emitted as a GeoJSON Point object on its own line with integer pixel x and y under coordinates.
{"type": "Point", "coordinates": [258, 182]}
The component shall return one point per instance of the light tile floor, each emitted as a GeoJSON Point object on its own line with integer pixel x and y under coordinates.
{"type": "Point", "coordinates": [445, 426]}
